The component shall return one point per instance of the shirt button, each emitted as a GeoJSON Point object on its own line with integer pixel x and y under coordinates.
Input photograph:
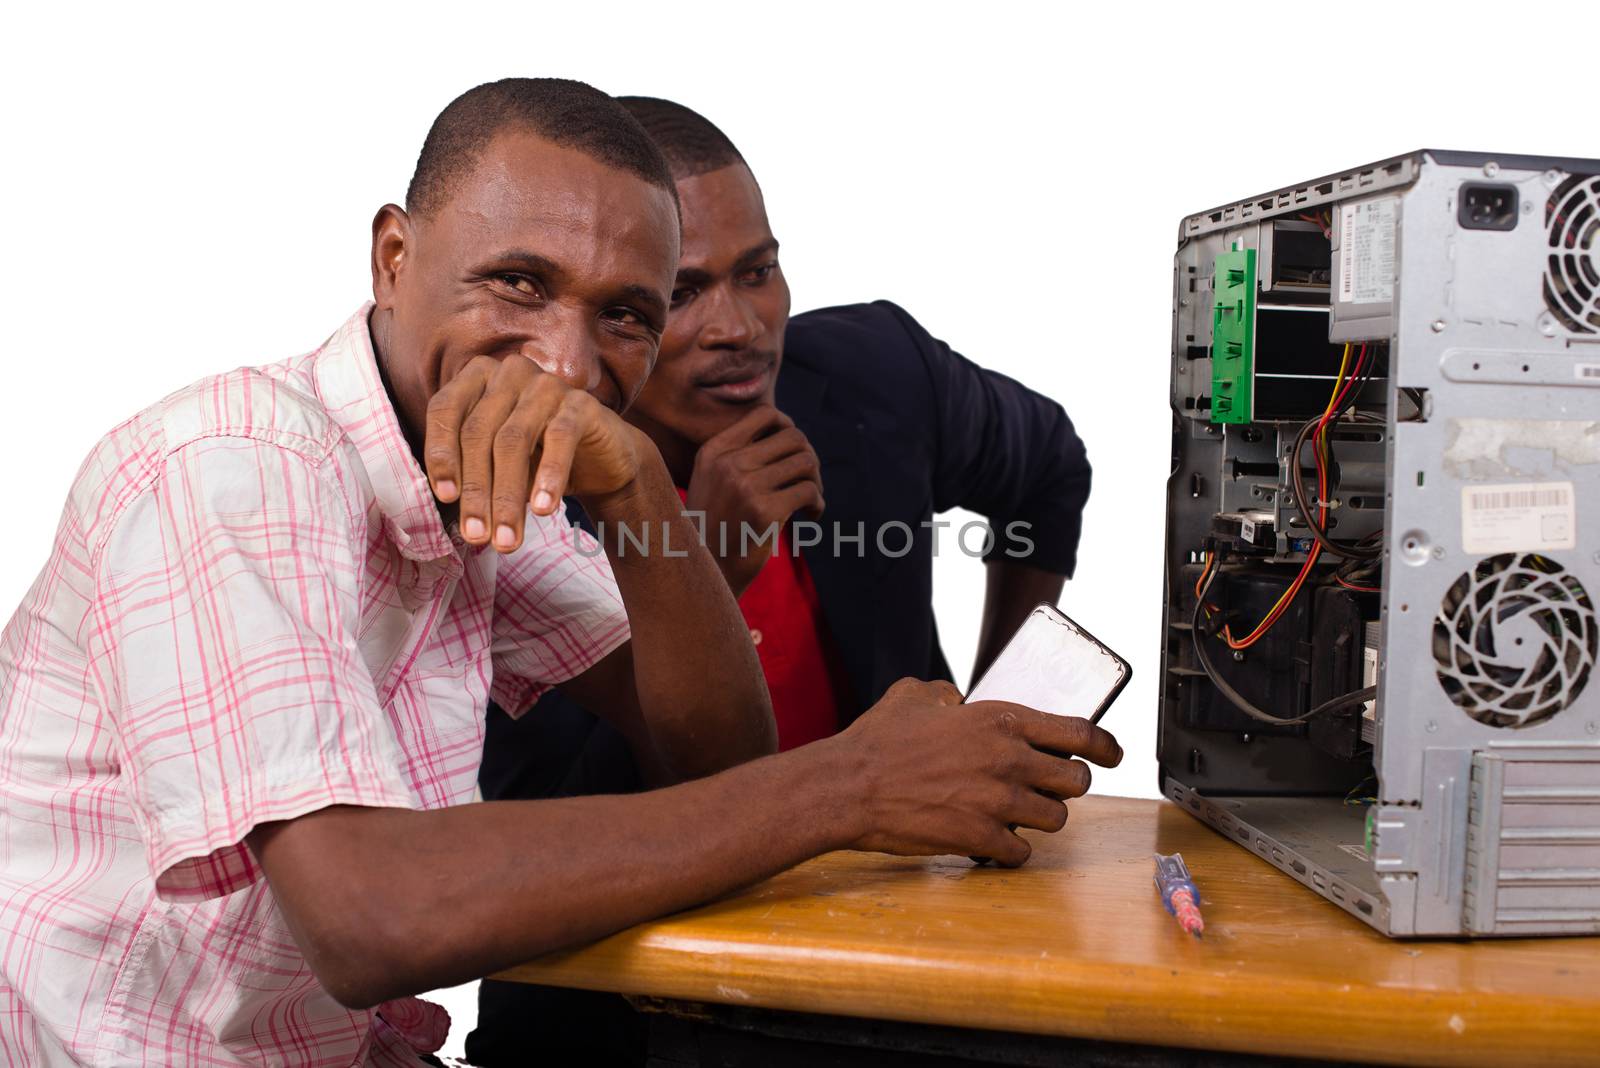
{"type": "Point", "coordinates": [755, 635]}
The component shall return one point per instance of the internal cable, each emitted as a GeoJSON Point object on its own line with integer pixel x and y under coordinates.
{"type": "Point", "coordinates": [1238, 700]}
{"type": "Point", "coordinates": [1341, 390]}
{"type": "Point", "coordinates": [1322, 452]}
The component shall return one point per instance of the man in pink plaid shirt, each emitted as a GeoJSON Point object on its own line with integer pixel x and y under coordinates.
{"type": "Point", "coordinates": [241, 709]}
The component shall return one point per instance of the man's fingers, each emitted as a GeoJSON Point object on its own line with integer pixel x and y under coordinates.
{"type": "Point", "coordinates": [558, 448]}
{"type": "Point", "coordinates": [1005, 848]}
{"type": "Point", "coordinates": [447, 410]}
{"type": "Point", "coordinates": [776, 446]}
{"type": "Point", "coordinates": [515, 446]}
{"type": "Point", "coordinates": [1032, 809]}
{"type": "Point", "coordinates": [1065, 734]}
{"type": "Point", "coordinates": [478, 434]}
{"type": "Point", "coordinates": [939, 691]}
{"type": "Point", "coordinates": [802, 465]}
{"type": "Point", "coordinates": [801, 497]}
{"type": "Point", "coordinates": [760, 421]}
{"type": "Point", "coordinates": [1056, 775]}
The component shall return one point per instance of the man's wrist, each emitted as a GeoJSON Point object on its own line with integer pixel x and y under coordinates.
{"type": "Point", "coordinates": [831, 778]}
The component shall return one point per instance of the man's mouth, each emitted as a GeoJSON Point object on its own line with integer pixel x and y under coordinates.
{"type": "Point", "coordinates": [741, 383]}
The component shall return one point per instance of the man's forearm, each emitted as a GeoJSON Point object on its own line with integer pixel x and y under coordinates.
{"type": "Point", "coordinates": [699, 683]}
{"type": "Point", "coordinates": [1012, 590]}
{"type": "Point", "coordinates": [387, 902]}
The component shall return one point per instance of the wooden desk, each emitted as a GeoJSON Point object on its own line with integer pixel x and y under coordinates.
{"type": "Point", "coordinates": [1076, 944]}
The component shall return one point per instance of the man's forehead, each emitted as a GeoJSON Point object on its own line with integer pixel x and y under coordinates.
{"type": "Point", "coordinates": [523, 185]}
{"type": "Point", "coordinates": [724, 214]}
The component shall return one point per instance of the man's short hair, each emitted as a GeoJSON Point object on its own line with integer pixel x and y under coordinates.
{"type": "Point", "coordinates": [689, 140]}
{"type": "Point", "coordinates": [568, 113]}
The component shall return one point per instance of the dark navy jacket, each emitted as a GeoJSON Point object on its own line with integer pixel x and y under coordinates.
{"type": "Point", "coordinates": [905, 429]}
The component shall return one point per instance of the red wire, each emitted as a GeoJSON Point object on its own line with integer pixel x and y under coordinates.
{"type": "Point", "coordinates": [1318, 444]}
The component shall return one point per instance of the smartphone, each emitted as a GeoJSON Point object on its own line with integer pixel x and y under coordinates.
{"type": "Point", "coordinates": [1056, 666]}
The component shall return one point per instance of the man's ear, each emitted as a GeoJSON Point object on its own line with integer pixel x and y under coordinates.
{"type": "Point", "coordinates": [392, 238]}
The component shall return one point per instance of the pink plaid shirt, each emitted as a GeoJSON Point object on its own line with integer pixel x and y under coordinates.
{"type": "Point", "coordinates": [252, 611]}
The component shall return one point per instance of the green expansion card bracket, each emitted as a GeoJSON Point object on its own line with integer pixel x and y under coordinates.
{"type": "Point", "coordinates": [1233, 326]}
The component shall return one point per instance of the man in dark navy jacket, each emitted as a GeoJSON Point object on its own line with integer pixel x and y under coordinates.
{"type": "Point", "coordinates": [848, 429]}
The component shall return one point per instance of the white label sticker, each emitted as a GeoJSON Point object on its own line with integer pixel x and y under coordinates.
{"type": "Point", "coordinates": [1587, 372]}
{"type": "Point", "coordinates": [1518, 517]}
{"type": "Point", "coordinates": [1366, 251]}
{"type": "Point", "coordinates": [1247, 531]}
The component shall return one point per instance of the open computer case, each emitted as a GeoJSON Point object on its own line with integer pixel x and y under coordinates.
{"type": "Point", "coordinates": [1383, 539]}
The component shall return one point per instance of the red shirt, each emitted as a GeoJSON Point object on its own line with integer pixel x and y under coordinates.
{"type": "Point", "coordinates": [785, 619]}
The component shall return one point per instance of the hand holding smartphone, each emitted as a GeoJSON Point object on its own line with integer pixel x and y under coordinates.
{"type": "Point", "coordinates": [1056, 666]}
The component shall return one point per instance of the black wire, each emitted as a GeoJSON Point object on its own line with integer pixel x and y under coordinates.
{"type": "Point", "coordinates": [1237, 699]}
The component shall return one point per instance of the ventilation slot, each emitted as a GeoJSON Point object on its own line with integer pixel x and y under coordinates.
{"type": "Point", "coordinates": [1515, 640]}
{"type": "Point", "coordinates": [1572, 280]}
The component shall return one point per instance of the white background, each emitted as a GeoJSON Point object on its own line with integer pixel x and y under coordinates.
{"type": "Point", "coordinates": [190, 190]}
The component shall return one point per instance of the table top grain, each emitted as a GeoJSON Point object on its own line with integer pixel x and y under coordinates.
{"type": "Point", "coordinates": [1076, 943]}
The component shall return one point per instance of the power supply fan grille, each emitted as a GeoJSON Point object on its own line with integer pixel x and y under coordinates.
{"type": "Point", "coordinates": [1515, 640]}
{"type": "Point", "coordinates": [1572, 282]}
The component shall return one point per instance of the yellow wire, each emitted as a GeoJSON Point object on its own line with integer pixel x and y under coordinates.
{"type": "Point", "coordinates": [1321, 442]}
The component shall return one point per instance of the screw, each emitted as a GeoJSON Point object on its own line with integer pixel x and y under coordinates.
{"type": "Point", "coordinates": [1438, 552]}
{"type": "Point", "coordinates": [1238, 656]}
{"type": "Point", "coordinates": [1592, 727]}
{"type": "Point", "coordinates": [1438, 326]}
{"type": "Point", "coordinates": [1596, 558]}
{"type": "Point", "coordinates": [1433, 726]}
{"type": "Point", "coordinates": [1547, 326]}
{"type": "Point", "coordinates": [1491, 169]}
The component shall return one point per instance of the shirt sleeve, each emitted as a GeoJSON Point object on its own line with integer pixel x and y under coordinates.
{"type": "Point", "coordinates": [224, 642]}
{"type": "Point", "coordinates": [1005, 452]}
{"type": "Point", "coordinates": [557, 612]}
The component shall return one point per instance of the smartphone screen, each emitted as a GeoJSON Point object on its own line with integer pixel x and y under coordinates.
{"type": "Point", "coordinates": [1056, 666]}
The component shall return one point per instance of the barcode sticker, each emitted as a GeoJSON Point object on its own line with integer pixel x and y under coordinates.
{"type": "Point", "coordinates": [1587, 372]}
{"type": "Point", "coordinates": [1366, 251]}
{"type": "Point", "coordinates": [1519, 517]}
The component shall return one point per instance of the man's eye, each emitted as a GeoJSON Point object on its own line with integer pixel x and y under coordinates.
{"type": "Point", "coordinates": [682, 296]}
{"type": "Point", "coordinates": [626, 317]}
{"type": "Point", "coordinates": [757, 275]}
{"type": "Point", "coordinates": [519, 282]}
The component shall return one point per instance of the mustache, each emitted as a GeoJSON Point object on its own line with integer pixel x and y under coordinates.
{"type": "Point", "coordinates": [737, 367]}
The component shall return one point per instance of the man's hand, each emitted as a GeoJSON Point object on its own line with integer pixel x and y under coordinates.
{"type": "Point", "coordinates": [503, 434]}
{"type": "Point", "coordinates": [942, 777]}
{"type": "Point", "coordinates": [759, 471]}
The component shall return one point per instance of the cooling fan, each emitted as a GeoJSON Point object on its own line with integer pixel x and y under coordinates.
{"type": "Point", "coordinates": [1572, 281]}
{"type": "Point", "coordinates": [1515, 640]}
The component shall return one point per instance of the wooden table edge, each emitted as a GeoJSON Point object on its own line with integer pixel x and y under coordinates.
{"type": "Point", "coordinates": [1153, 1004]}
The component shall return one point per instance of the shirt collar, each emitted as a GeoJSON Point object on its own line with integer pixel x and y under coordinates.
{"type": "Point", "coordinates": [345, 374]}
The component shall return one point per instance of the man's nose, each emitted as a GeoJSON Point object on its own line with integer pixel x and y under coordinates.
{"type": "Point", "coordinates": [730, 321]}
{"type": "Point", "coordinates": [569, 350]}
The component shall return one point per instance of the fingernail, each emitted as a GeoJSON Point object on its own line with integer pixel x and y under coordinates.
{"type": "Point", "coordinates": [473, 528]}
{"type": "Point", "coordinates": [504, 536]}
{"type": "Point", "coordinates": [542, 500]}
{"type": "Point", "coordinates": [444, 488]}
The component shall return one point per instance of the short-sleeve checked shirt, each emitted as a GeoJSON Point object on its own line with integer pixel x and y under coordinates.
{"type": "Point", "coordinates": [252, 611]}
